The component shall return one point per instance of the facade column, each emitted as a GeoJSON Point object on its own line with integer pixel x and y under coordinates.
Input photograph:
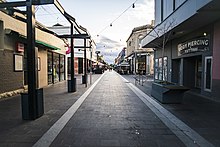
{"type": "Point", "coordinates": [181, 72]}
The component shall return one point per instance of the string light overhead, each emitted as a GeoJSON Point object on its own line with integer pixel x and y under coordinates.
{"type": "Point", "coordinates": [111, 24]}
{"type": "Point", "coordinates": [133, 5]}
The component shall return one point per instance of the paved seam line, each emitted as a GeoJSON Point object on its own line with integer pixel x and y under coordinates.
{"type": "Point", "coordinates": [187, 135]}
{"type": "Point", "coordinates": [52, 133]}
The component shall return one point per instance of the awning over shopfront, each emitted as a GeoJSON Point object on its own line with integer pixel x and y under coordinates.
{"type": "Point", "coordinates": [47, 45]}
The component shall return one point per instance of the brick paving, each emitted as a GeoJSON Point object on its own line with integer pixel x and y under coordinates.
{"type": "Point", "coordinates": [17, 132]}
{"type": "Point", "coordinates": [111, 115]}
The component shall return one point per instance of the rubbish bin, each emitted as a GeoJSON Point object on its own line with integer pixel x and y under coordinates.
{"type": "Point", "coordinates": [40, 102]}
{"type": "Point", "coordinates": [84, 79]}
{"type": "Point", "coordinates": [27, 112]}
{"type": "Point", "coordinates": [72, 85]}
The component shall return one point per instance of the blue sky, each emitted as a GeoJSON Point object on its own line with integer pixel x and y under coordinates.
{"type": "Point", "coordinates": [96, 15]}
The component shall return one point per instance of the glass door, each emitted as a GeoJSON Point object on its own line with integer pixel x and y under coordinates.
{"type": "Point", "coordinates": [198, 76]}
{"type": "Point", "coordinates": [208, 74]}
{"type": "Point", "coordinates": [50, 67]}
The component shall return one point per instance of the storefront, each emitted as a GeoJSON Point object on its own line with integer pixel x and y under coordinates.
{"type": "Point", "coordinates": [142, 63]}
{"type": "Point", "coordinates": [187, 47]}
{"type": "Point", "coordinates": [50, 56]}
{"type": "Point", "coordinates": [56, 67]}
{"type": "Point", "coordinates": [188, 61]}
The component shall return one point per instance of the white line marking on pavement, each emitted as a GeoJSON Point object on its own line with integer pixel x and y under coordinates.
{"type": "Point", "coordinates": [187, 135]}
{"type": "Point", "coordinates": [52, 133]}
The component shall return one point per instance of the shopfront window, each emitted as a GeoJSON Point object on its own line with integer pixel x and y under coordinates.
{"type": "Point", "coordinates": [165, 69]}
{"type": "Point", "coordinates": [56, 67]}
{"type": "Point", "coordinates": [62, 67]}
{"type": "Point", "coordinates": [56, 71]}
{"type": "Point", "coordinates": [50, 67]}
{"type": "Point", "coordinates": [156, 69]}
{"type": "Point", "coordinates": [160, 69]}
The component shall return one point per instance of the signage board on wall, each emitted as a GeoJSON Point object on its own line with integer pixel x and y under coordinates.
{"type": "Point", "coordinates": [194, 45]}
{"type": "Point", "coordinates": [20, 47]}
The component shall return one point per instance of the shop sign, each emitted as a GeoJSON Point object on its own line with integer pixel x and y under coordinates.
{"type": "Point", "coordinates": [20, 47]}
{"type": "Point", "coordinates": [195, 45]}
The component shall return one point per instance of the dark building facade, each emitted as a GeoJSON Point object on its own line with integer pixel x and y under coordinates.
{"type": "Point", "coordinates": [190, 57]}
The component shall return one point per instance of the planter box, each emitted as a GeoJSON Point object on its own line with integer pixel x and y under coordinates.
{"type": "Point", "coordinates": [168, 93]}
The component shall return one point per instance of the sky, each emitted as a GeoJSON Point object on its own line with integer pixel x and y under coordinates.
{"type": "Point", "coordinates": [97, 15]}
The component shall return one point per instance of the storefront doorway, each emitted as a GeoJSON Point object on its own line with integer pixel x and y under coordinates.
{"type": "Point", "coordinates": [176, 74]}
{"type": "Point", "coordinates": [198, 73]}
{"type": "Point", "coordinates": [208, 74]}
{"type": "Point", "coordinates": [56, 67]}
{"type": "Point", "coordinates": [141, 64]}
{"type": "Point", "coordinates": [192, 72]}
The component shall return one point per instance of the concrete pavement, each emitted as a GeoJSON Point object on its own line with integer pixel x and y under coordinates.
{"type": "Point", "coordinates": [111, 113]}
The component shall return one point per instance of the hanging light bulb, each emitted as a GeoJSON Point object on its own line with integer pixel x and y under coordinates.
{"type": "Point", "coordinates": [133, 6]}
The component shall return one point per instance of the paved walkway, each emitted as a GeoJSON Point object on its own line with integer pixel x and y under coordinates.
{"type": "Point", "coordinates": [200, 114]}
{"type": "Point", "coordinates": [111, 112]}
{"type": "Point", "coordinates": [16, 132]}
{"type": "Point", "coordinates": [112, 115]}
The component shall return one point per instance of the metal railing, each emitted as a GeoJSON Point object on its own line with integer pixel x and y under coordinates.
{"type": "Point", "coordinates": [141, 78]}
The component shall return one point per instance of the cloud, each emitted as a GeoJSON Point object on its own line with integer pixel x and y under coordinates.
{"type": "Point", "coordinates": [109, 48]}
{"type": "Point", "coordinates": [143, 11]}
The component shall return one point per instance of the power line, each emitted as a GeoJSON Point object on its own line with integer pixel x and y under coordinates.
{"type": "Point", "coordinates": [131, 6]}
